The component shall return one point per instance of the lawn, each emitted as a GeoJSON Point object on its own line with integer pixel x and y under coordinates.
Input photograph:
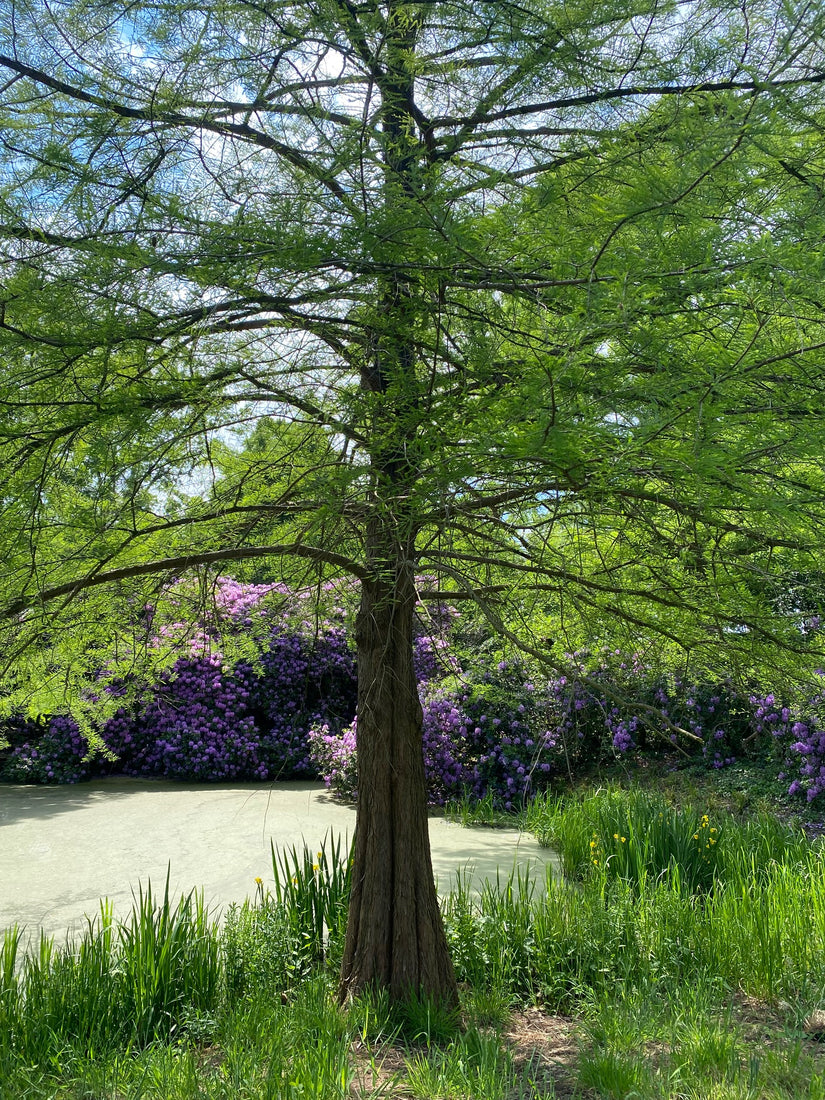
{"type": "Point", "coordinates": [682, 955]}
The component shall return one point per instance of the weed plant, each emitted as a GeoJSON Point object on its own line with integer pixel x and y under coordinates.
{"type": "Point", "coordinates": [262, 950]}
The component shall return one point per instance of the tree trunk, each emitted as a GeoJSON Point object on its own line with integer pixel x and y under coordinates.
{"type": "Point", "coordinates": [395, 935]}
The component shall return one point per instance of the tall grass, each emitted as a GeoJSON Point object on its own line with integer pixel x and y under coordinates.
{"type": "Point", "coordinates": [276, 940]}
{"type": "Point", "coordinates": [630, 835]}
{"type": "Point", "coordinates": [129, 984]}
{"type": "Point", "coordinates": [168, 976]}
{"type": "Point", "coordinates": [313, 889]}
{"type": "Point", "coordinates": [639, 836]}
{"type": "Point", "coordinates": [168, 964]}
{"type": "Point", "coordinates": [655, 896]}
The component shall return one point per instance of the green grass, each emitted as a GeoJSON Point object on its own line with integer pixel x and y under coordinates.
{"type": "Point", "coordinates": [631, 835]}
{"type": "Point", "coordinates": [678, 967]}
{"type": "Point", "coordinates": [129, 984]}
{"type": "Point", "coordinates": [693, 1046]}
{"type": "Point", "coordinates": [470, 812]}
{"type": "Point", "coordinates": [471, 1065]}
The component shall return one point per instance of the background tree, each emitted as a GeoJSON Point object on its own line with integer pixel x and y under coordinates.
{"type": "Point", "coordinates": [536, 283]}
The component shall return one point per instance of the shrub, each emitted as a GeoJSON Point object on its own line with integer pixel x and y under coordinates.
{"type": "Point", "coordinates": [51, 750]}
{"type": "Point", "coordinates": [195, 724]}
{"type": "Point", "coordinates": [488, 742]}
{"type": "Point", "coordinates": [333, 753]}
{"type": "Point", "coordinates": [618, 702]}
{"type": "Point", "coordinates": [511, 751]}
{"type": "Point", "coordinates": [302, 683]}
{"type": "Point", "coordinates": [206, 720]}
{"type": "Point", "coordinates": [284, 706]}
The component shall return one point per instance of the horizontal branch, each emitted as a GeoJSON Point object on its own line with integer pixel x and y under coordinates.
{"type": "Point", "coordinates": [175, 118]}
{"type": "Point", "coordinates": [608, 94]}
{"type": "Point", "coordinates": [181, 562]}
{"type": "Point", "coordinates": [437, 595]}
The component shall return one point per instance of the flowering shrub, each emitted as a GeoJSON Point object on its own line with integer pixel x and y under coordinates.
{"type": "Point", "coordinates": [195, 724]}
{"type": "Point", "coordinates": [483, 743]}
{"type": "Point", "coordinates": [238, 602]}
{"type": "Point", "coordinates": [206, 720]}
{"type": "Point", "coordinates": [594, 711]}
{"type": "Point", "coordinates": [51, 751]}
{"type": "Point", "coordinates": [209, 718]}
{"type": "Point", "coordinates": [798, 728]}
{"type": "Point", "coordinates": [720, 718]}
{"type": "Point", "coordinates": [446, 764]}
{"type": "Point", "coordinates": [619, 703]}
{"type": "Point", "coordinates": [432, 659]}
{"type": "Point", "coordinates": [513, 752]}
{"type": "Point", "coordinates": [333, 753]}
{"type": "Point", "coordinates": [717, 713]}
{"type": "Point", "coordinates": [447, 776]}
{"type": "Point", "coordinates": [810, 750]}
{"type": "Point", "coordinates": [280, 703]}
{"type": "Point", "coordinates": [301, 684]}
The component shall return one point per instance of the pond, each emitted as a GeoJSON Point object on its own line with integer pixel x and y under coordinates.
{"type": "Point", "coordinates": [64, 848]}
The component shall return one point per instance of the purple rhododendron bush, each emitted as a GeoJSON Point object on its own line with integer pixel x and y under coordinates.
{"type": "Point", "coordinates": [263, 687]}
{"type": "Point", "coordinates": [208, 714]}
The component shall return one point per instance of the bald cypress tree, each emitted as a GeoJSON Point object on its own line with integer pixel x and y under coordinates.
{"type": "Point", "coordinates": [527, 291]}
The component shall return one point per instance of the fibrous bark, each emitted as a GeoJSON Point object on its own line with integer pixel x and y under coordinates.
{"type": "Point", "coordinates": [395, 935]}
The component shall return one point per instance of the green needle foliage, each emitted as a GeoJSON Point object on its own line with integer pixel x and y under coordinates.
{"type": "Point", "coordinates": [527, 296]}
{"type": "Point", "coordinates": [600, 262]}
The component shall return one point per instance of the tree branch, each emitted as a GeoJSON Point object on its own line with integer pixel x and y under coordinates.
{"type": "Point", "coordinates": [178, 564]}
{"type": "Point", "coordinates": [607, 94]}
{"type": "Point", "coordinates": [175, 118]}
